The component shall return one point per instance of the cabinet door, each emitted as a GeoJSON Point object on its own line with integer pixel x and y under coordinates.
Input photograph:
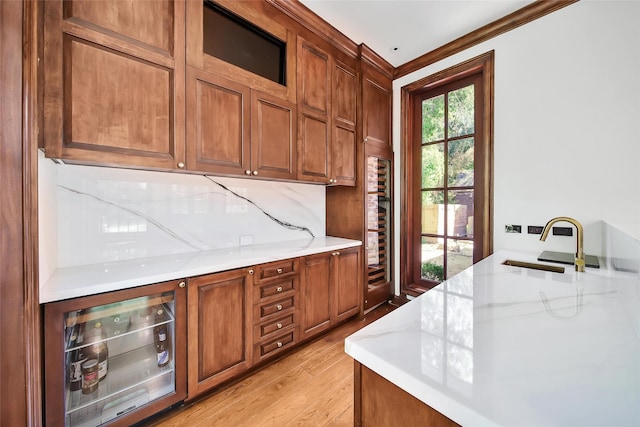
{"type": "Point", "coordinates": [314, 102]}
{"type": "Point", "coordinates": [218, 124]}
{"type": "Point", "coordinates": [343, 152]}
{"type": "Point", "coordinates": [348, 289]}
{"type": "Point", "coordinates": [376, 107]}
{"type": "Point", "coordinates": [219, 336]}
{"type": "Point", "coordinates": [316, 294]}
{"type": "Point", "coordinates": [273, 136]}
{"type": "Point", "coordinates": [114, 82]}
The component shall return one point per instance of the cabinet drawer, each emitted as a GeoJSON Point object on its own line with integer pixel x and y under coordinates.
{"type": "Point", "coordinates": [277, 288]}
{"type": "Point", "coordinates": [276, 269]}
{"type": "Point", "coordinates": [272, 326]}
{"type": "Point", "coordinates": [277, 343]}
{"type": "Point", "coordinates": [276, 306]}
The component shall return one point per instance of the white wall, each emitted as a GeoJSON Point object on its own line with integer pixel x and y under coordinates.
{"type": "Point", "coordinates": [566, 123]}
{"type": "Point", "coordinates": [95, 215]}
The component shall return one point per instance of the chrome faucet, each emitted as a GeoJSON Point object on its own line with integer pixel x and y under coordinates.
{"type": "Point", "coordinates": [579, 259]}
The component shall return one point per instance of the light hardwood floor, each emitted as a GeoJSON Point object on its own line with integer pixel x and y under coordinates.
{"type": "Point", "coordinates": [311, 386]}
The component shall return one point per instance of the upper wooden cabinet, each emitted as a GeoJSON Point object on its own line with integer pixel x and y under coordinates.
{"type": "Point", "coordinates": [256, 14]}
{"type": "Point", "coordinates": [114, 82]}
{"type": "Point", "coordinates": [326, 117]}
{"type": "Point", "coordinates": [377, 92]}
{"type": "Point", "coordinates": [131, 84]}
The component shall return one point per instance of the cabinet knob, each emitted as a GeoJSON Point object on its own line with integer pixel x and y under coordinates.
{"type": "Point", "coordinates": [279, 289]}
{"type": "Point", "coordinates": [335, 253]}
{"type": "Point", "coordinates": [279, 325]}
{"type": "Point", "coordinates": [279, 307]}
{"type": "Point", "coordinates": [279, 344]}
{"type": "Point", "coordinates": [255, 172]}
{"type": "Point", "coordinates": [366, 139]}
{"type": "Point", "coordinates": [247, 172]}
{"type": "Point", "coordinates": [251, 271]}
{"type": "Point", "coordinates": [182, 284]}
{"type": "Point", "coordinates": [279, 270]}
{"type": "Point", "coordinates": [181, 165]}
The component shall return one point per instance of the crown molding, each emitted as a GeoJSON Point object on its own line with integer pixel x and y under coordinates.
{"type": "Point", "coordinates": [514, 20]}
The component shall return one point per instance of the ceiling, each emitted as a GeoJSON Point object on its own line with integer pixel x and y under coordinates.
{"type": "Point", "coordinates": [402, 30]}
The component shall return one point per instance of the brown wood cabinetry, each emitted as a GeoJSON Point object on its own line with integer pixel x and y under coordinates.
{"type": "Point", "coordinates": [359, 212]}
{"type": "Point", "coordinates": [114, 82]}
{"type": "Point", "coordinates": [234, 130]}
{"type": "Point", "coordinates": [276, 308]}
{"type": "Point", "coordinates": [331, 289]}
{"type": "Point", "coordinates": [326, 117]}
{"type": "Point", "coordinates": [377, 93]}
{"type": "Point", "coordinates": [378, 402]}
{"type": "Point", "coordinates": [220, 322]}
{"type": "Point", "coordinates": [218, 124]}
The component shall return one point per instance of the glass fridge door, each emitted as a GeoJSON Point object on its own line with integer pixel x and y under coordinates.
{"type": "Point", "coordinates": [118, 357]}
{"type": "Point", "coordinates": [378, 230]}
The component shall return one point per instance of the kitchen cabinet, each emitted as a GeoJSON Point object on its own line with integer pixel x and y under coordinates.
{"type": "Point", "coordinates": [220, 322]}
{"type": "Point", "coordinates": [326, 117]}
{"type": "Point", "coordinates": [276, 308]}
{"type": "Point", "coordinates": [377, 402]}
{"type": "Point", "coordinates": [331, 289]}
{"type": "Point", "coordinates": [117, 357]}
{"type": "Point", "coordinates": [235, 130]}
{"type": "Point", "coordinates": [363, 212]}
{"type": "Point", "coordinates": [254, 14]}
{"type": "Point", "coordinates": [114, 82]}
{"type": "Point", "coordinates": [377, 91]}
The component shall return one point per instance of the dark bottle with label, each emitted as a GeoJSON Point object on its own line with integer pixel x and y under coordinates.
{"type": "Point", "coordinates": [160, 338]}
{"type": "Point", "coordinates": [99, 350]}
{"type": "Point", "coordinates": [78, 357]}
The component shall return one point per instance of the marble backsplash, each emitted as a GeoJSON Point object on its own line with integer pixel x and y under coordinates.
{"type": "Point", "coordinates": [93, 215]}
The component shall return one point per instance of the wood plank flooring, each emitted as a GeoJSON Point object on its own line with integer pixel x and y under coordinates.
{"type": "Point", "coordinates": [312, 386]}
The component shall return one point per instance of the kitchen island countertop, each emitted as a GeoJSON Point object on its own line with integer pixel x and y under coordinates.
{"type": "Point", "coordinates": [498, 345]}
{"type": "Point", "coordinates": [78, 281]}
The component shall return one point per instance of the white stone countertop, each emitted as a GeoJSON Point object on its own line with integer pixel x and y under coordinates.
{"type": "Point", "coordinates": [506, 346]}
{"type": "Point", "coordinates": [71, 282]}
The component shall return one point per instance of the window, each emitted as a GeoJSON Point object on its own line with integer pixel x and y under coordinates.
{"type": "Point", "coordinates": [447, 188]}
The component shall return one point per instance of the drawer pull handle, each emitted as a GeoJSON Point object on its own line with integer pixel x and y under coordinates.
{"type": "Point", "coordinates": [279, 344]}
{"type": "Point", "coordinates": [279, 270]}
{"type": "Point", "coordinates": [279, 307]}
{"type": "Point", "coordinates": [279, 289]}
{"type": "Point", "coordinates": [251, 271]}
{"type": "Point", "coordinates": [279, 325]}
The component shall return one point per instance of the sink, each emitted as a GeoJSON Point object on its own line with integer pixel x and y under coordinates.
{"type": "Point", "coordinates": [567, 258]}
{"type": "Point", "coordinates": [533, 266]}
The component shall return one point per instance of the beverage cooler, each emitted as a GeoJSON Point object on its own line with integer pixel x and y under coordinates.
{"type": "Point", "coordinates": [115, 358]}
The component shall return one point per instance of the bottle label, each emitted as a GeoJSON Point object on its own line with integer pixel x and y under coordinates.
{"type": "Point", "coordinates": [162, 336]}
{"type": "Point", "coordinates": [163, 358]}
{"type": "Point", "coordinates": [102, 369]}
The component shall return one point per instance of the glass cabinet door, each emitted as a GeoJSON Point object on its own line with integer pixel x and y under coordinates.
{"type": "Point", "coordinates": [378, 230]}
{"type": "Point", "coordinates": [118, 357]}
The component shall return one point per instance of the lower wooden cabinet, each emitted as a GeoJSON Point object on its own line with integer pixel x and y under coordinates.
{"type": "Point", "coordinates": [276, 308]}
{"type": "Point", "coordinates": [243, 317]}
{"type": "Point", "coordinates": [331, 289]}
{"type": "Point", "coordinates": [379, 402]}
{"type": "Point", "coordinates": [220, 328]}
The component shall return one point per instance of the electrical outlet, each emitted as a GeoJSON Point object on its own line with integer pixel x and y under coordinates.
{"type": "Point", "coordinates": [562, 231]}
{"type": "Point", "coordinates": [535, 229]}
{"type": "Point", "coordinates": [246, 240]}
{"type": "Point", "coordinates": [511, 228]}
